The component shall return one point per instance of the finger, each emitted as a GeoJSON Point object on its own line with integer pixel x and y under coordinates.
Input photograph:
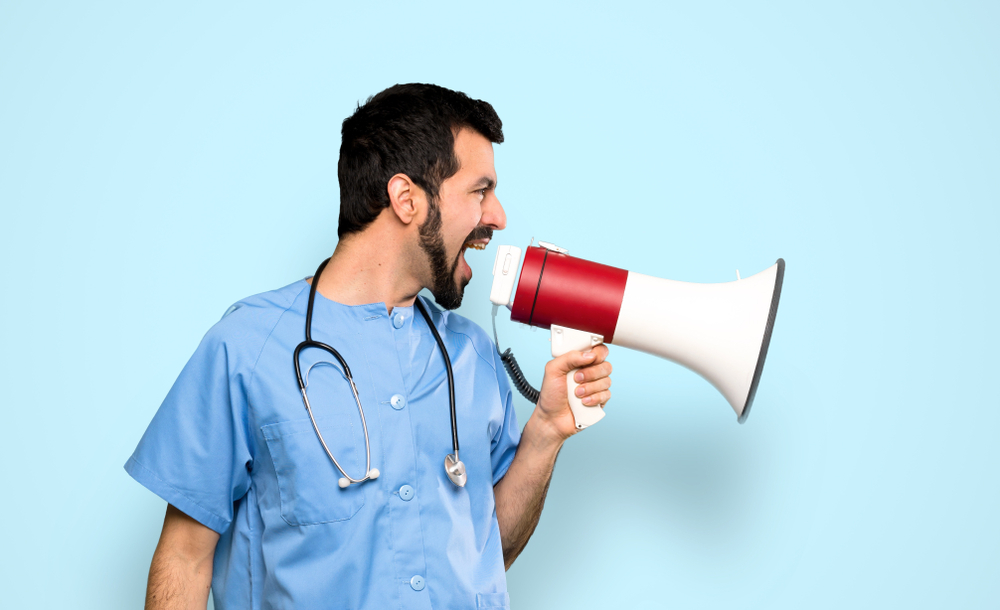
{"type": "Point", "coordinates": [592, 373]}
{"type": "Point", "coordinates": [601, 352]}
{"type": "Point", "coordinates": [601, 398]}
{"type": "Point", "coordinates": [569, 361]}
{"type": "Point", "coordinates": [587, 389]}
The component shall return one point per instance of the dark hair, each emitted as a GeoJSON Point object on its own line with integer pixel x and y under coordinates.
{"type": "Point", "coordinates": [406, 129]}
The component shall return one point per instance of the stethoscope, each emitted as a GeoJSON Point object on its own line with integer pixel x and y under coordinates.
{"type": "Point", "coordinates": [452, 465]}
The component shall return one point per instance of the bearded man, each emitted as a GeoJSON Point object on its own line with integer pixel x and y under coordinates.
{"type": "Point", "coordinates": [285, 494]}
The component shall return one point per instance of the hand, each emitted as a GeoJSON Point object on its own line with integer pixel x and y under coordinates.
{"type": "Point", "coordinates": [593, 377]}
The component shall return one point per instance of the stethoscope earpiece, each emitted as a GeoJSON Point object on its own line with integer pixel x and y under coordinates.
{"type": "Point", "coordinates": [344, 482]}
{"type": "Point", "coordinates": [453, 467]}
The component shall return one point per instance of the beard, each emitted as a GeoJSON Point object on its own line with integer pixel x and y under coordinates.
{"type": "Point", "coordinates": [447, 291]}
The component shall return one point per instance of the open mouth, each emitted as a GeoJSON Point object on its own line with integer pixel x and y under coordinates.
{"type": "Point", "coordinates": [479, 238]}
{"type": "Point", "coordinates": [475, 244]}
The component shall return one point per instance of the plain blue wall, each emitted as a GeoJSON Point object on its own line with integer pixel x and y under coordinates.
{"type": "Point", "coordinates": [159, 162]}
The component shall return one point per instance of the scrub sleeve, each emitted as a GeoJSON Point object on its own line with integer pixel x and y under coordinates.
{"type": "Point", "coordinates": [196, 453]}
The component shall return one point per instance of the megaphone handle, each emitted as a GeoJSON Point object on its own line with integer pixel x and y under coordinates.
{"type": "Point", "coordinates": [585, 415]}
{"type": "Point", "coordinates": [565, 340]}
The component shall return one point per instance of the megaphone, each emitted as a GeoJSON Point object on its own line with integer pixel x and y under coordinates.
{"type": "Point", "coordinates": [720, 331]}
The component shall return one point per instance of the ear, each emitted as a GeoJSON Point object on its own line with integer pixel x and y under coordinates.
{"type": "Point", "coordinates": [406, 198]}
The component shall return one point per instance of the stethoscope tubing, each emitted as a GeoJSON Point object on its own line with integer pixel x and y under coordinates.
{"type": "Point", "coordinates": [312, 418]}
{"type": "Point", "coordinates": [354, 390]}
{"type": "Point", "coordinates": [451, 375]}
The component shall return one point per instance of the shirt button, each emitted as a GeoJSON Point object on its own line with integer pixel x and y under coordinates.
{"type": "Point", "coordinates": [398, 401]}
{"type": "Point", "coordinates": [397, 320]}
{"type": "Point", "coordinates": [417, 582]}
{"type": "Point", "coordinates": [406, 493]}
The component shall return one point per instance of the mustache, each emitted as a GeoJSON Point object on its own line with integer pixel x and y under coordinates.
{"type": "Point", "coordinates": [480, 232]}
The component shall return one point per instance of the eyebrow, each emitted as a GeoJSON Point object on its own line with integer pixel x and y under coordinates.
{"type": "Point", "coordinates": [484, 182]}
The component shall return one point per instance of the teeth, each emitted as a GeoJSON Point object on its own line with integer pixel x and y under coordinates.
{"type": "Point", "coordinates": [476, 246]}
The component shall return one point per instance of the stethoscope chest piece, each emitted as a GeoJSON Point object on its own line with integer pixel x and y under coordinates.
{"type": "Point", "coordinates": [455, 469]}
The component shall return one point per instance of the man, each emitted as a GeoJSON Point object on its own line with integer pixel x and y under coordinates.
{"type": "Point", "coordinates": [255, 510]}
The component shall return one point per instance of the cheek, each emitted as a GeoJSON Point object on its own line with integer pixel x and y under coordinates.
{"type": "Point", "coordinates": [466, 220]}
{"type": "Point", "coordinates": [475, 216]}
{"type": "Point", "coordinates": [471, 211]}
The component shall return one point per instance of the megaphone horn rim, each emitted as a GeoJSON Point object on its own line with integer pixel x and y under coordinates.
{"type": "Point", "coordinates": [766, 342]}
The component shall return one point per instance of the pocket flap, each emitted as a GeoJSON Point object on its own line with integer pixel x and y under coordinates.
{"type": "Point", "coordinates": [493, 601]}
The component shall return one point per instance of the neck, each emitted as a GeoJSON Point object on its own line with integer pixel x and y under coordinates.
{"type": "Point", "coordinates": [372, 267]}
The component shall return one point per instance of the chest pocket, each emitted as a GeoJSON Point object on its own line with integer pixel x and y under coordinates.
{"type": "Point", "coordinates": [307, 478]}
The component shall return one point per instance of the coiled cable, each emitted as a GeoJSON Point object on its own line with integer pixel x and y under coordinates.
{"type": "Point", "coordinates": [517, 376]}
{"type": "Point", "coordinates": [513, 369]}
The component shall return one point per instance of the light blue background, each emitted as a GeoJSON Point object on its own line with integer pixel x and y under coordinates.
{"type": "Point", "coordinates": [159, 162]}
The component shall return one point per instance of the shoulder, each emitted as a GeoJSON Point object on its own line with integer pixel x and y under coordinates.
{"type": "Point", "coordinates": [461, 327]}
{"type": "Point", "coordinates": [247, 323]}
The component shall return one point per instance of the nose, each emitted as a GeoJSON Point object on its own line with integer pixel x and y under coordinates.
{"type": "Point", "coordinates": [493, 213]}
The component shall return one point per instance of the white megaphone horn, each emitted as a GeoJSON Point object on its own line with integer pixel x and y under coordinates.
{"type": "Point", "coordinates": [720, 331]}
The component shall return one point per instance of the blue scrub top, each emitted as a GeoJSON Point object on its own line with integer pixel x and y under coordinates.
{"type": "Point", "coordinates": [232, 446]}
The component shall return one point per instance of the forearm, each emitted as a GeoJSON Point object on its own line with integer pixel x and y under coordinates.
{"type": "Point", "coordinates": [180, 575]}
{"type": "Point", "coordinates": [520, 494]}
{"type": "Point", "coordinates": [175, 583]}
